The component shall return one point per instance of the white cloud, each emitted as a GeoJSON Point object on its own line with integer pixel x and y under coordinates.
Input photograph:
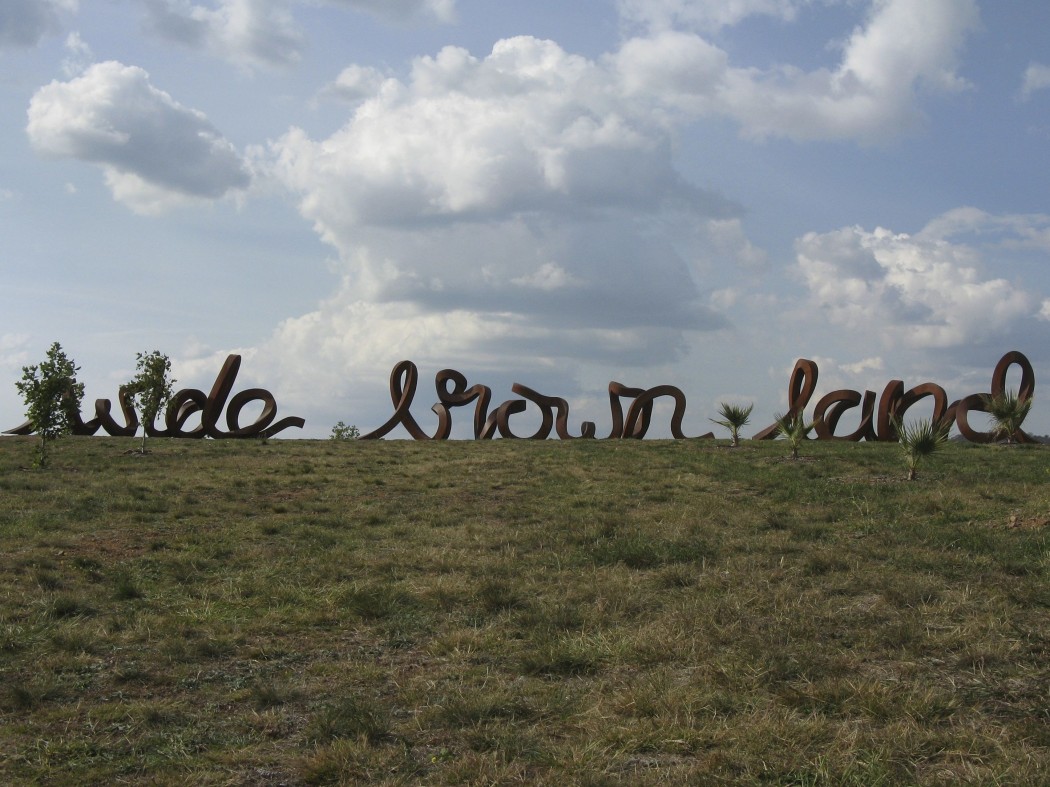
{"type": "Point", "coordinates": [1036, 77]}
{"type": "Point", "coordinates": [355, 83]}
{"type": "Point", "coordinates": [921, 291]}
{"type": "Point", "coordinates": [79, 57]}
{"type": "Point", "coordinates": [872, 95]}
{"type": "Point", "coordinates": [1010, 232]}
{"type": "Point", "coordinates": [518, 211]}
{"type": "Point", "coordinates": [534, 187]}
{"type": "Point", "coordinates": [528, 125]}
{"type": "Point", "coordinates": [530, 151]}
{"type": "Point", "coordinates": [865, 365]}
{"type": "Point", "coordinates": [247, 32]}
{"type": "Point", "coordinates": [155, 152]}
{"type": "Point", "coordinates": [24, 22]}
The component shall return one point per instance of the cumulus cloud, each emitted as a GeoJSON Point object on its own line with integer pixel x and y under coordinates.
{"type": "Point", "coordinates": [533, 186]}
{"type": "Point", "coordinates": [155, 152]}
{"type": "Point", "coordinates": [902, 49]}
{"type": "Point", "coordinates": [518, 210]}
{"type": "Point", "coordinates": [468, 136]}
{"type": "Point", "coordinates": [24, 22]}
{"type": "Point", "coordinates": [521, 210]}
{"type": "Point", "coordinates": [930, 290]}
{"type": "Point", "coordinates": [516, 149]}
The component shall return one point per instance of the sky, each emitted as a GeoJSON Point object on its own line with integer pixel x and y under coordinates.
{"type": "Point", "coordinates": [686, 192]}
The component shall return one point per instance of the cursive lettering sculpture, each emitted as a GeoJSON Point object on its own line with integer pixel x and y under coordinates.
{"type": "Point", "coordinates": [895, 401]}
{"type": "Point", "coordinates": [878, 414]}
{"type": "Point", "coordinates": [183, 406]}
{"type": "Point", "coordinates": [554, 410]}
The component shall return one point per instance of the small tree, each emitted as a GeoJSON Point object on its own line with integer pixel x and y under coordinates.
{"type": "Point", "coordinates": [734, 418]}
{"type": "Point", "coordinates": [1007, 412]}
{"type": "Point", "coordinates": [794, 429]}
{"type": "Point", "coordinates": [150, 389]}
{"type": "Point", "coordinates": [343, 432]}
{"type": "Point", "coordinates": [52, 396]}
{"type": "Point", "coordinates": [919, 440]}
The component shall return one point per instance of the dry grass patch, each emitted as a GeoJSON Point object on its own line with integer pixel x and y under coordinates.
{"type": "Point", "coordinates": [548, 613]}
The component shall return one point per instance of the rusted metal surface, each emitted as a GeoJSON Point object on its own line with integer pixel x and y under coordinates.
{"type": "Point", "coordinates": [895, 401]}
{"type": "Point", "coordinates": [878, 414]}
{"type": "Point", "coordinates": [977, 402]}
{"type": "Point", "coordinates": [183, 406]}
{"type": "Point", "coordinates": [554, 410]}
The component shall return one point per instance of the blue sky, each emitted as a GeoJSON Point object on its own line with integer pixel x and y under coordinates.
{"type": "Point", "coordinates": [649, 191]}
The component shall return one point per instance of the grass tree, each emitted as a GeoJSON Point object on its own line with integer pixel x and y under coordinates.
{"type": "Point", "coordinates": [795, 429]}
{"type": "Point", "coordinates": [734, 418]}
{"type": "Point", "coordinates": [919, 440]}
{"type": "Point", "coordinates": [150, 389]}
{"type": "Point", "coordinates": [52, 396]}
{"type": "Point", "coordinates": [1007, 412]}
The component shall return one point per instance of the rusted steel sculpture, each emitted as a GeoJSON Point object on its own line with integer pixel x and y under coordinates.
{"type": "Point", "coordinates": [977, 402]}
{"type": "Point", "coordinates": [801, 385]}
{"type": "Point", "coordinates": [185, 404]}
{"type": "Point", "coordinates": [554, 410]}
{"type": "Point", "coordinates": [876, 423]}
{"type": "Point", "coordinates": [895, 402]}
{"type": "Point", "coordinates": [878, 415]}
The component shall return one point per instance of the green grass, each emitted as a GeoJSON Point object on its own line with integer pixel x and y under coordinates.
{"type": "Point", "coordinates": [587, 612]}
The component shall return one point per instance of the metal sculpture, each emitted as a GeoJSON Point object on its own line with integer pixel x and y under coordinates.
{"type": "Point", "coordinates": [978, 402]}
{"type": "Point", "coordinates": [895, 402]}
{"type": "Point", "coordinates": [183, 406]}
{"type": "Point", "coordinates": [878, 416]}
{"type": "Point", "coordinates": [554, 410]}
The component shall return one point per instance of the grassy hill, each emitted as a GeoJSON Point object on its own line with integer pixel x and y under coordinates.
{"type": "Point", "coordinates": [587, 612]}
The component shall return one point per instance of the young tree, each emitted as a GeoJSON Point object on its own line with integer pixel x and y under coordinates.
{"type": "Point", "coordinates": [343, 432]}
{"type": "Point", "coordinates": [920, 440]}
{"type": "Point", "coordinates": [795, 430]}
{"type": "Point", "coordinates": [52, 396]}
{"type": "Point", "coordinates": [734, 418]}
{"type": "Point", "coordinates": [1007, 412]}
{"type": "Point", "coordinates": [150, 389]}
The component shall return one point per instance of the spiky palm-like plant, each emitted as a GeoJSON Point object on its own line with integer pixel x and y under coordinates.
{"type": "Point", "coordinates": [1007, 412]}
{"type": "Point", "coordinates": [734, 418]}
{"type": "Point", "coordinates": [919, 440]}
{"type": "Point", "coordinates": [794, 429]}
